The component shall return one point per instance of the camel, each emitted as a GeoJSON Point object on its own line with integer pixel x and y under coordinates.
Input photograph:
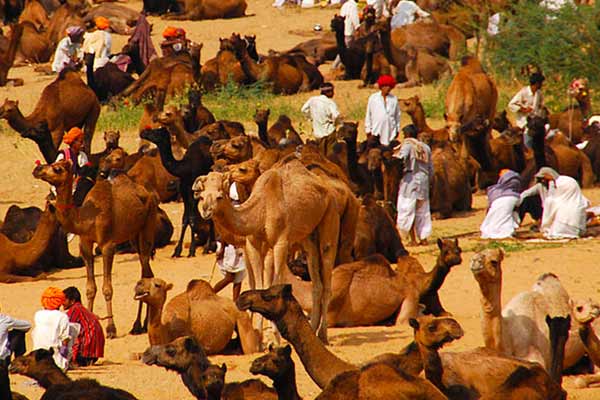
{"type": "Point", "coordinates": [352, 57]}
{"type": "Point", "coordinates": [195, 114]}
{"type": "Point", "coordinates": [210, 9]}
{"type": "Point", "coordinates": [149, 172]}
{"type": "Point", "coordinates": [7, 58]}
{"type": "Point", "coordinates": [70, 13]}
{"type": "Point", "coordinates": [399, 292]}
{"type": "Point", "coordinates": [204, 380]}
{"type": "Point", "coordinates": [35, 47]}
{"type": "Point", "coordinates": [185, 313]}
{"type": "Point", "coordinates": [63, 104]}
{"type": "Point", "coordinates": [336, 377]}
{"type": "Point", "coordinates": [39, 365]}
{"type": "Point", "coordinates": [35, 13]}
{"type": "Point", "coordinates": [523, 327]}
{"type": "Point", "coordinates": [357, 173]}
{"type": "Point", "coordinates": [107, 81]}
{"type": "Point", "coordinates": [122, 19]}
{"type": "Point", "coordinates": [5, 391]}
{"type": "Point", "coordinates": [423, 67]}
{"type": "Point", "coordinates": [317, 50]}
{"type": "Point", "coordinates": [584, 313]}
{"type": "Point", "coordinates": [172, 119]}
{"type": "Point", "coordinates": [112, 212]}
{"type": "Point", "coordinates": [570, 121]}
{"type": "Point", "coordinates": [413, 107]}
{"type": "Point", "coordinates": [281, 129]}
{"type": "Point", "coordinates": [222, 68]}
{"type": "Point", "coordinates": [17, 258]}
{"type": "Point", "coordinates": [444, 40]}
{"type": "Point", "coordinates": [278, 365]}
{"type": "Point", "coordinates": [196, 162]}
{"type": "Point", "coordinates": [274, 204]}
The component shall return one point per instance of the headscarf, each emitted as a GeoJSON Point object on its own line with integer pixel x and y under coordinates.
{"type": "Point", "coordinates": [102, 22]}
{"type": "Point", "coordinates": [74, 30]}
{"type": "Point", "coordinates": [141, 36]}
{"type": "Point", "coordinates": [53, 298]}
{"type": "Point", "coordinates": [73, 134]}
{"type": "Point", "coordinates": [547, 172]}
{"type": "Point", "coordinates": [386, 80]}
{"type": "Point", "coordinates": [509, 184]}
{"type": "Point", "coordinates": [170, 32]}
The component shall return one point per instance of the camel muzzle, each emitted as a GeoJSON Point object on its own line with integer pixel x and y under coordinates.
{"type": "Point", "coordinates": [140, 296]}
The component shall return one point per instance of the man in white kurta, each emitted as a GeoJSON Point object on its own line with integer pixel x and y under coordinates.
{"type": "Point", "coordinates": [414, 214]}
{"type": "Point", "coordinates": [99, 43]}
{"type": "Point", "coordinates": [528, 101]}
{"type": "Point", "coordinates": [68, 49]}
{"type": "Point", "coordinates": [351, 22]}
{"type": "Point", "coordinates": [323, 113]}
{"type": "Point", "coordinates": [382, 119]}
{"type": "Point", "coordinates": [501, 219]}
{"type": "Point", "coordinates": [406, 12]}
{"type": "Point", "coordinates": [51, 331]}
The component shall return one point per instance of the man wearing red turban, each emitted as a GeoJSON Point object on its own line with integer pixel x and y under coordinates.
{"type": "Point", "coordinates": [382, 118]}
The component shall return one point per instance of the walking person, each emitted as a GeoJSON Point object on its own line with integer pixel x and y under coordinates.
{"type": "Point", "coordinates": [324, 114]}
{"type": "Point", "coordinates": [528, 101]}
{"type": "Point", "coordinates": [382, 119]}
{"type": "Point", "coordinates": [88, 347]}
{"type": "Point", "coordinates": [414, 215]}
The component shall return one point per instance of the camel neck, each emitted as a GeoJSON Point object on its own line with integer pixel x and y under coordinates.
{"type": "Point", "coordinates": [10, 54]}
{"type": "Point", "coordinates": [436, 277]}
{"type": "Point", "coordinates": [591, 342]}
{"type": "Point", "coordinates": [172, 165]}
{"type": "Point", "coordinates": [263, 131]}
{"type": "Point", "coordinates": [66, 212]}
{"type": "Point", "coordinates": [418, 118]}
{"type": "Point", "coordinates": [319, 362]}
{"type": "Point", "coordinates": [340, 40]}
{"type": "Point", "coordinates": [19, 122]}
{"type": "Point", "coordinates": [243, 220]}
{"type": "Point", "coordinates": [29, 252]}
{"type": "Point", "coordinates": [492, 316]}
{"type": "Point", "coordinates": [250, 68]}
{"type": "Point", "coordinates": [352, 158]}
{"type": "Point", "coordinates": [177, 128]}
{"type": "Point", "coordinates": [51, 376]}
{"type": "Point", "coordinates": [285, 385]}
{"type": "Point", "coordinates": [157, 332]}
{"type": "Point", "coordinates": [432, 364]}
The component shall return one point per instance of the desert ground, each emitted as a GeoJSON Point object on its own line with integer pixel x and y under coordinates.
{"type": "Point", "coordinates": [573, 262]}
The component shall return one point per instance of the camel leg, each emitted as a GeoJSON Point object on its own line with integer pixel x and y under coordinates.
{"type": "Point", "coordinates": [179, 246]}
{"type": "Point", "coordinates": [312, 260]}
{"type": "Point", "coordinates": [249, 337]}
{"type": "Point", "coordinates": [145, 247]}
{"type": "Point", "coordinates": [86, 249]}
{"type": "Point", "coordinates": [255, 266]}
{"type": "Point", "coordinates": [108, 255]}
{"type": "Point", "coordinates": [409, 309]}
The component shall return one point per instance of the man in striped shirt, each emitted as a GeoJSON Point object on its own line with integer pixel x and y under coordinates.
{"type": "Point", "coordinates": [89, 345]}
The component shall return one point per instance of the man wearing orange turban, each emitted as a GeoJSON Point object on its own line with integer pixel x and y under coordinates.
{"type": "Point", "coordinates": [52, 329]}
{"type": "Point", "coordinates": [99, 43]}
{"type": "Point", "coordinates": [74, 139]}
{"type": "Point", "coordinates": [102, 23]}
{"type": "Point", "coordinates": [175, 41]}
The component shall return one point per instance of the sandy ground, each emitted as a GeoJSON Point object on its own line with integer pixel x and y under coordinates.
{"type": "Point", "coordinates": [575, 262]}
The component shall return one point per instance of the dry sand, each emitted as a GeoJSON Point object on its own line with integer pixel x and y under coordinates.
{"type": "Point", "coordinates": [574, 263]}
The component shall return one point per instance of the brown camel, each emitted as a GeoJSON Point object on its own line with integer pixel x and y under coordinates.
{"type": "Point", "coordinates": [413, 107]}
{"type": "Point", "coordinates": [281, 129]}
{"type": "Point", "coordinates": [185, 315]}
{"type": "Point", "coordinates": [112, 212]}
{"type": "Point", "coordinates": [278, 365]}
{"type": "Point", "coordinates": [441, 39]}
{"type": "Point", "coordinates": [70, 13]}
{"type": "Point", "coordinates": [122, 19]}
{"type": "Point", "coordinates": [423, 67]}
{"type": "Point", "coordinates": [337, 378]}
{"type": "Point", "coordinates": [210, 9]}
{"type": "Point", "coordinates": [585, 312]}
{"type": "Point", "coordinates": [39, 365]}
{"type": "Point", "coordinates": [571, 160]}
{"type": "Point", "coordinates": [35, 46]}
{"type": "Point", "coordinates": [65, 103]}
{"type": "Point", "coordinates": [150, 173]}
{"type": "Point", "coordinates": [35, 13]}
{"type": "Point", "coordinates": [172, 119]}
{"type": "Point", "coordinates": [570, 121]}
{"type": "Point", "coordinates": [399, 292]}
{"type": "Point", "coordinates": [223, 67]}
{"type": "Point", "coordinates": [17, 258]}
{"type": "Point", "coordinates": [204, 380]}
{"type": "Point", "coordinates": [7, 58]}
{"type": "Point", "coordinates": [308, 207]}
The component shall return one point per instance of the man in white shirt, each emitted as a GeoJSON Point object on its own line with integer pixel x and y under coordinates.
{"type": "Point", "coordinates": [12, 332]}
{"type": "Point", "coordinates": [324, 113]}
{"type": "Point", "coordinates": [351, 22]}
{"type": "Point", "coordinates": [406, 12]}
{"type": "Point", "coordinates": [528, 101]}
{"type": "Point", "coordinates": [68, 49]}
{"type": "Point", "coordinates": [382, 119]}
{"type": "Point", "coordinates": [99, 43]}
{"type": "Point", "coordinates": [378, 5]}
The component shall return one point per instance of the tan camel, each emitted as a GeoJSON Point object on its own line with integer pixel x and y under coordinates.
{"type": "Point", "coordinates": [113, 212]}
{"type": "Point", "coordinates": [63, 104]}
{"type": "Point", "coordinates": [423, 67]}
{"type": "Point", "coordinates": [393, 292]}
{"type": "Point", "coordinates": [337, 378]}
{"type": "Point", "coordinates": [223, 67]}
{"type": "Point", "coordinates": [209, 9]}
{"type": "Point", "coordinates": [288, 205]}
{"type": "Point", "coordinates": [172, 119]}
{"type": "Point", "coordinates": [35, 47]}
{"type": "Point", "coordinates": [7, 58]}
{"type": "Point", "coordinates": [15, 258]}
{"type": "Point", "coordinates": [199, 312]}
{"type": "Point", "coordinates": [68, 14]}
{"type": "Point", "coordinates": [244, 175]}
{"type": "Point", "coordinates": [35, 13]}
{"type": "Point", "coordinates": [586, 311]}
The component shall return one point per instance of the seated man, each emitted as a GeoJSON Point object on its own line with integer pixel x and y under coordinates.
{"type": "Point", "coordinates": [501, 220]}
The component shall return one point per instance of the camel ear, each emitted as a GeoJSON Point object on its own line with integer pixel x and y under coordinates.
{"type": "Point", "coordinates": [287, 350]}
{"type": "Point", "coordinates": [168, 287]}
{"type": "Point", "coordinates": [287, 291]}
{"type": "Point", "coordinates": [224, 367]}
{"type": "Point", "coordinates": [270, 346]}
{"type": "Point", "coordinates": [440, 243]}
{"type": "Point", "coordinates": [502, 253]}
{"type": "Point", "coordinates": [417, 98]}
{"type": "Point", "coordinates": [413, 323]}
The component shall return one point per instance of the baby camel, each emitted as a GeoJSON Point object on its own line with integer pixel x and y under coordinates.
{"type": "Point", "coordinates": [113, 212]}
{"type": "Point", "coordinates": [278, 365]}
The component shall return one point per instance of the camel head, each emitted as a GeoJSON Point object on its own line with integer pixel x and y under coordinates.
{"type": "Point", "coordinates": [373, 159]}
{"type": "Point", "coordinates": [348, 132]}
{"type": "Point", "coordinates": [111, 139]}
{"type": "Point", "coordinates": [195, 97]}
{"type": "Point", "coordinates": [275, 364]}
{"type": "Point", "coordinates": [434, 332]}
{"type": "Point", "coordinates": [34, 365]}
{"type": "Point", "coordinates": [486, 266]}
{"type": "Point", "coordinates": [9, 108]}
{"type": "Point", "coordinates": [215, 131]}
{"type": "Point", "coordinates": [210, 191]}
{"type": "Point", "coordinates": [245, 173]}
{"type": "Point", "coordinates": [169, 116]}
{"type": "Point", "coordinates": [152, 291]}
{"type": "Point", "coordinates": [179, 355]}
{"type": "Point", "coordinates": [410, 105]}
{"type": "Point", "coordinates": [238, 149]}
{"type": "Point", "coordinates": [537, 124]}
{"type": "Point", "coordinates": [57, 174]}
{"type": "Point", "coordinates": [262, 115]}
{"type": "Point", "coordinates": [337, 23]}
{"type": "Point", "coordinates": [501, 122]}
{"type": "Point", "coordinates": [217, 148]}
{"type": "Point", "coordinates": [477, 127]}
{"type": "Point", "coordinates": [584, 311]}
{"type": "Point", "coordinates": [115, 160]}
{"type": "Point", "coordinates": [450, 252]}
{"type": "Point", "coordinates": [159, 136]}
{"type": "Point", "coordinates": [213, 380]}
{"type": "Point", "coordinates": [239, 45]}
{"type": "Point", "coordinates": [272, 303]}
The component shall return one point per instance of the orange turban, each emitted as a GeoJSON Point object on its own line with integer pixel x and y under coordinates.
{"type": "Point", "coordinates": [170, 32]}
{"type": "Point", "coordinates": [73, 134]}
{"type": "Point", "coordinates": [53, 298]}
{"type": "Point", "coordinates": [102, 23]}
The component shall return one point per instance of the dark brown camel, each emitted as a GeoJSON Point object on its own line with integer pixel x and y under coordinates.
{"type": "Point", "coordinates": [210, 9]}
{"type": "Point", "coordinates": [7, 58]}
{"type": "Point", "coordinates": [279, 366]}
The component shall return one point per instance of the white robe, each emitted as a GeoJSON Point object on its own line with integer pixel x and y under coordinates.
{"type": "Point", "coordinates": [501, 219]}
{"type": "Point", "coordinates": [565, 207]}
{"type": "Point", "coordinates": [51, 329]}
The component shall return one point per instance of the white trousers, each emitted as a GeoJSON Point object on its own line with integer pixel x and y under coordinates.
{"type": "Point", "coordinates": [413, 211]}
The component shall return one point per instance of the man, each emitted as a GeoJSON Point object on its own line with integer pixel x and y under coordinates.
{"type": "Point", "coordinates": [351, 22]}
{"type": "Point", "coordinates": [89, 345]}
{"type": "Point", "coordinates": [99, 43]}
{"type": "Point", "coordinates": [382, 118]}
{"type": "Point", "coordinates": [175, 41]}
{"type": "Point", "coordinates": [12, 338]}
{"type": "Point", "coordinates": [406, 12]}
{"type": "Point", "coordinates": [529, 100]}
{"type": "Point", "coordinates": [68, 49]}
{"type": "Point", "coordinates": [414, 216]}
{"type": "Point", "coordinates": [378, 5]}
{"type": "Point", "coordinates": [324, 113]}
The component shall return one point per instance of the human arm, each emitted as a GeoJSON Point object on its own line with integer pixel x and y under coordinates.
{"type": "Point", "coordinates": [368, 121]}
{"type": "Point", "coordinates": [17, 324]}
{"type": "Point", "coordinates": [517, 104]}
{"type": "Point", "coordinates": [396, 120]}
{"type": "Point", "coordinates": [60, 157]}
{"type": "Point", "coordinates": [532, 191]}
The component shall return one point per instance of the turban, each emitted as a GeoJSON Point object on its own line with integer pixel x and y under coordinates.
{"type": "Point", "coordinates": [102, 23]}
{"type": "Point", "coordinates": [386, 80]}
{"type": "Point", "coordinates": [73, 134]}
{"type": "Point", "coordinates": [170, 32]}
{"type": "Point", "coordinates": [74, 30]}
{"type": "Point", "coordinates": [53, 298]}
{"type": "Point", "coordinates": [180, 32]}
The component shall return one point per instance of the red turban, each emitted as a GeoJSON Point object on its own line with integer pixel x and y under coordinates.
{"type": "Point", "coordinates": [386, 80]}
{"type": "Point", "coordinates": [73, 134]}
{"type": "Point", "coordinates": [102, 23]}
{"type": "Point", "coordinates": [170, 32]}
{"type": "Point", "coordinates": [180, 32]}
{"type": "Point", "coordinates": [53, 298]}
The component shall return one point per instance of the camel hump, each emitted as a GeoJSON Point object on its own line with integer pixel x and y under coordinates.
{"type": "Point", "coordinates": [376, 259]}
{"type": "Point", "coordinates": [199, 289]}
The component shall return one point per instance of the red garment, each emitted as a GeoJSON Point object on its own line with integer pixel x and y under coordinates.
{"type": "Point", "coordinates": [90, 342]}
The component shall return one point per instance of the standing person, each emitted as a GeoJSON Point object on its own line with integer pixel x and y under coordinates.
{"type": "Point", "coordinates": [564, 215]}
{"type": "Point", "coordinates": [324, 114]}
{"type": "Point", "coordinates": [529, 100]}
{"type": "Point", "coordinates": [414, 215]}
{"type": "Point", "coordinates": [406, 12]}
{"type": "Point", "coordinates": [382, 119]}
{"type": "Point", "coordinates": [99, 42]}
{"type": "Point", "coordinates": [12, 339]}
{"type": "Point", "coordinates": [501, 219]}
{"type": "Point", "coordinates": [351, 22]}
{"type": "Point", "coordinates": [88, 347]}
{"type": "Point", "coordinates": [378, 5]}
{"type": "Point", "coordinates": [230, 259]}
{"type": "Point", "coordinates": [68, 50]}
{"type": "Point", "coordinates": [51, 329]}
